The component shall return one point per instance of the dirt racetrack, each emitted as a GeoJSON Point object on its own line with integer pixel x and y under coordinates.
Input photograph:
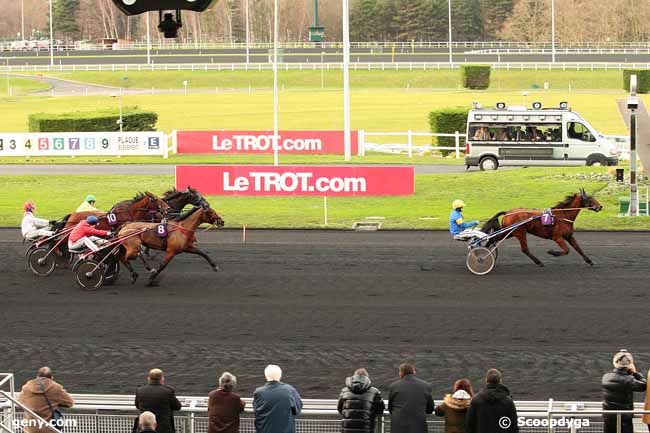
{"type": "Point", "coordinates": [321, 304]}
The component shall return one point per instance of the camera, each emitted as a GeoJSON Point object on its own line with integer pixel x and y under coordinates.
{"type": "Point", "coordinates": [632, 102]}
{"type": "Point", "coordinates": [169, 26]}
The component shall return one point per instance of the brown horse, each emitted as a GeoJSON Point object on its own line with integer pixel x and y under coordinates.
{"type": "Point", "coordinates": [143, 207]}
{"type": "Point", "coordinates": [561, 232]}
{"type": "Point", "coordinates": [180, 239]}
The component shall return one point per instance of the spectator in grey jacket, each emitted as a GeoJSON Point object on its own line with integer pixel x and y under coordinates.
{"type": "Point", "coordinates": [409, 402]}
{"type": "Point", "coordinates": [276, 404]}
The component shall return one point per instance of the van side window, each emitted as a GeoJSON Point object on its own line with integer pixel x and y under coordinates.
{"type": "Point", "coordinates": [578, 131]}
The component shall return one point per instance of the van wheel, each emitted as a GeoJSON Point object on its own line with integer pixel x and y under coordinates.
{"type": "Point", "coordinates": [596, 160]}
{"type": "Point", "coordinates": [488, 163]}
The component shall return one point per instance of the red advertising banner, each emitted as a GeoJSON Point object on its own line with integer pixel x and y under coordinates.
{"type": "Point", "coordinates": [248, 142]}
{"type": "Point", "coordinates": [306, 180]}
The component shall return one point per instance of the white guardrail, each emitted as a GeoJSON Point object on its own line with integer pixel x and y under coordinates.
{"type": "Point", "coordinates": [31, 45]}
{"type": "Point", "coordinates": [317, 66]}
{"type": "Point", "coordinates": [368, 142]}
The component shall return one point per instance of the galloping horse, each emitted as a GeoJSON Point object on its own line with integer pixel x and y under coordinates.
{"type": "Point", "coordinates": [561, 232]}
{"type": "Point", "coordinates": [180, 239]}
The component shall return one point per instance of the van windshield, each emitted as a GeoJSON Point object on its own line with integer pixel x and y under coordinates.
{"type": "Point", "coordinates": [528, 132]}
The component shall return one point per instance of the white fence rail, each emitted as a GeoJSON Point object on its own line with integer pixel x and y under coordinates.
{"type": "Point", "coordinates": [368, 142]}
{"type": "Point", "coordinates": [317, 66]}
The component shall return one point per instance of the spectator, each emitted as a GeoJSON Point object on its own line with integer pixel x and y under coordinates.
{"type": "Point", "coordinates": [276, 404]}
{"type": "Point", "coordinates": [492, 410]}
{"type": "Point", "coordinates": [619, 386]}
{"type": "Point", "coordinates": [224, 406]}
{"type": "Point", "coordinates": [147, 422]}
{"type": "Point", "coordinates": [359, 404]}
{"type": "Point", "coordinates": [158, 398]}
{"type": "Point", "coordinates": [409, 401]}
{"type": "Point", "coordinates": [454, 406]}
{"type": "Point", "coordinates": [43, 396]}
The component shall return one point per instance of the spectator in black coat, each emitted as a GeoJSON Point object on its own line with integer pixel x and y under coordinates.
{"type": "Point", "coordinates": [359, 404]}
{"type": "Point", "coordinates": [409, 401]}
{"type": "Point", "coordinates": [158, 398]}
{"type": "Point", "coordinates": [492, 410]}
{"type": "Point", "coordinates": [619, 386]}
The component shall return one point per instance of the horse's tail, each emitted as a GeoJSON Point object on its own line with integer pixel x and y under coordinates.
{"type": "Point", "coordinates": [493, 224]}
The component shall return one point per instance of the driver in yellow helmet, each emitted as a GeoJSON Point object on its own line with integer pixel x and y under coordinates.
{"type": "Point", "coordinates": [460, 229]}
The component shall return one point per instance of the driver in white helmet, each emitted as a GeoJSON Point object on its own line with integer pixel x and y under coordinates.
{"type": "Point", "coordinates": [460, 229]}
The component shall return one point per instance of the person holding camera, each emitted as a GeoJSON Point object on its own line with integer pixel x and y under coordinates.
{"type": "Point", "coordinates": [619, 386]}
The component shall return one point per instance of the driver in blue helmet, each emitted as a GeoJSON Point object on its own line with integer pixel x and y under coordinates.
{"type": "Point", "coordinates": [85, 234]}
{"type": "Point", "coordinates": [460, 229]}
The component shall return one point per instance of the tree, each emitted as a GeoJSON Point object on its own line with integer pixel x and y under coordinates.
{"type": "Point", "coordinates": [65, 18]}
{"type": "Point", "coordinates": [236, 22]}
{"type": "Point", "coordinates": [407, 20]}
{"type": "Point", "coordinates": [363, 21]}
{"type": "Point", "coordinates": [493, 14]}
{"type": "Point", "coordinates": [466, 22]}
{"type": "Point", "coordinates": [529, 22]}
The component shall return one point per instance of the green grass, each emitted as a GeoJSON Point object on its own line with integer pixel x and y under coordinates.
{"type": "Point", "coordinates": [21, 86]}
{"type": "Point", "coordinates": [484, 192]}
{"type": "Point", "coordinates": [359, 79]}
{"type": "Point", "coordinates": [370, 158]}
{"type": "Point", "coordinates": [378, 110]}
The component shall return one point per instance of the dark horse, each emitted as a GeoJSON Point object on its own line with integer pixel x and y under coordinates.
{"type": "Point", "coordinates": [177, 200]}
{"type": "Point", "coordinates": [561, 232]}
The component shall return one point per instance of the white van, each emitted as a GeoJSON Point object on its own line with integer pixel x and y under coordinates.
{"type": "Point", "coordinates": [521, 136]}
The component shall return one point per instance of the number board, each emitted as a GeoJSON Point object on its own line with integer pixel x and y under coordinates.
{"type": "Point", "coordinates": [83, 144]}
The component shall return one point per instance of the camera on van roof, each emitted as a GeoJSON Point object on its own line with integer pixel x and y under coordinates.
{"type": "Point", "coordinates": [501, 105]}
{"type": "Point", "coordinates": [564, 105]}
{"type": "Point", "coordinates": [537, 105]}
{"type": "Point", "coordinates": [632, 102]}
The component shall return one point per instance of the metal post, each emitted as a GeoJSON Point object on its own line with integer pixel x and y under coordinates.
{"type": "Point", "coordinates": [409, 141]}
{"type": "Point", "coordinates": [247, 34]}
{"type": "Point", "coordinates": [634, 193]}
{"type": "Point", "coordinates": [275, 84]}
{"type": "Point", "coordinates": [322, 70]}
{"type": "Point", "coordinates": [22, 22]}
{"type": "Point", "coordinates": [8, 85]}
{"type": "Point", "coordinates": [346, 80]}
{"type": "Point", "coordinates": [325, 208]}
{"type": "Point", "coordinates": [451, 58]}
{"type": "Point", "coordinates": [148, 41]}
{"type": "Point", "coordinates": [553, 31]}
{"type": "Point", "coordinates": [51, 36]}
{"type": "Point", "coordinates": [618, 422]}
{"type": "Point", "coordinates": [457, 142]}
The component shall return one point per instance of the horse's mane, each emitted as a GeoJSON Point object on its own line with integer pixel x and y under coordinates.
{"type": "Point", "coordinates": [171, 193]}
{"type": "Point", "coordinates": [566, 202]}
{"type": "Point", "coordinates": [185, 215]}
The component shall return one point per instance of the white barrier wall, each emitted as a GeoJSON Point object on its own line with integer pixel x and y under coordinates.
{"type": "Point", "coordinates": [83, 144]}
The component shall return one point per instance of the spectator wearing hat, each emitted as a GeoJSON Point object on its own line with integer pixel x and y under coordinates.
{"type": "Point", "coordinates": [88, 204]}
{"type": "Point", "coordinates": [619, 386]}
{"type": "Point", "coordinates": [454, 406]}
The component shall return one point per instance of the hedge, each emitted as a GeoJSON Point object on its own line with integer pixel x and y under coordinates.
{"type": "Point", "coordinates": [93, 121]}
{"type": "Point", "coordinates": [642, 80]}
{"type": "Point", "coordinates": [476, 76]}
{"type": "Point", "coordinates": [448, 120]}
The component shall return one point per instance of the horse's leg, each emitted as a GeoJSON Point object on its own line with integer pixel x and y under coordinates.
{"type": "Point", "coordinates": [144, 262]}
{"type": "Point", "coordinates": [126, 255]}
{"type": "Point", "coordinates": [565, 248]}
{"type": "Point", "coordinates": [523, 242]}
{"type": "Point", "coordinates": [169, 255]}
{"type": "Point", "coordinates": [574, 244]}
{"type": "Point", "coordinates": [198, 252]}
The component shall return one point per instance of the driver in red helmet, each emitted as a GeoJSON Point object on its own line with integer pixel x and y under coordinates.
{"type": "Point", "coordinates": [31, 226]}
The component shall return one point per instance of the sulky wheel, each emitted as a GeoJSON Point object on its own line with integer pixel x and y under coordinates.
{"type": "Point", "coordinates": [40, 262]}
{"type": "Point", "coordinates": [112, 271]}
{"type": "Point", "coordinates": [480, 261]}
{"type": "Point", "coordinates": [89, 274]}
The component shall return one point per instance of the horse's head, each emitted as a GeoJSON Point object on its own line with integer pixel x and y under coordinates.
{"type": "Point", "coordinates": [196, 198]}
{"type": "Point", "coordinates": [211, 217]}
{"type": "Point", "coordinates": [589, 202]}
{"type": "Point", "coordinates": [153, 204]}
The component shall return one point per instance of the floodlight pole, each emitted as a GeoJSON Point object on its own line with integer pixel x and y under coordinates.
{"type": "Point", "coordinates": [51, 36]}
{"type": "Point", "coordinates": [346, 81]}
{"type": "Point", "coordinates": [148, 41]}
{"type": "Point", "coordinates": [276, 137]}
{"type": "Point", "coordinates": [553, 31]}
{"type": "Point", "coordinates": [22, 22]}
{"type": "Point", "coordinates": [632, 105]}
{"type": "Point", "coordinates": [247, 34]}
{"type": "Point", "coordinates": [451, 56]}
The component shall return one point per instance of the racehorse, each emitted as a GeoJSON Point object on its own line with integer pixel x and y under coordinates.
{"type": "Point", "coordinates": [561, 232]}
{"type": "Point", "coordinates": [142, 207]}
{"type": "Point", "coordinates": [177, 200]}
{"type": "Point", "coordinates": [180, 238]}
